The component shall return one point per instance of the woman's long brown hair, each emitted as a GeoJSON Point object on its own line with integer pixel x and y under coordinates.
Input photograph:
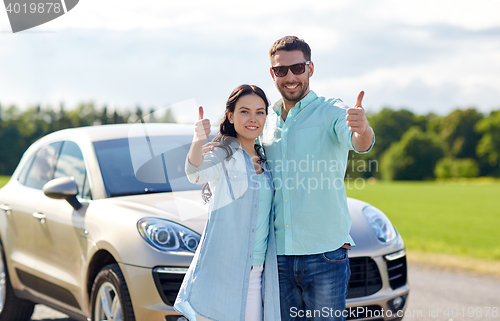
{"type": "Point", "coordinates": [227, 133]}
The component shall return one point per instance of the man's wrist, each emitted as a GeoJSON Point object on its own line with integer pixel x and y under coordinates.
{"type": "Point", "coordinates": [367, 131]}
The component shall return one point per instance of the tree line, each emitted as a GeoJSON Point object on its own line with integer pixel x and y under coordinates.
{"type": "Point", "coordinates": [20, 128]}
{"type": "Point", "coordinates": [464, 143]}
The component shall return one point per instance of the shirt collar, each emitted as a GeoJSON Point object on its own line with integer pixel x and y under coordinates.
{"type": "Point", "coordinates": [303, 103]}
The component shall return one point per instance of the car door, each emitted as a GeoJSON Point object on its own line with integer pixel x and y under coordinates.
{"type": "Point", "coordinates": [61, 234]}
{"type": "Point", "coordinates": [19, 204]}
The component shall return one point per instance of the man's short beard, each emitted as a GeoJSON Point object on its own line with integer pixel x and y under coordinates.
{"type": "Point", "coordinates": [302, 93]}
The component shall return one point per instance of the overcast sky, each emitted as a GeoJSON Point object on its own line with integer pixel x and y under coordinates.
{"type": "Point", "coordinates": [427, 56]}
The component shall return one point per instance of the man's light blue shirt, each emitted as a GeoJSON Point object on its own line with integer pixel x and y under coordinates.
{"type": "Point", "coordinates": [307, 155]}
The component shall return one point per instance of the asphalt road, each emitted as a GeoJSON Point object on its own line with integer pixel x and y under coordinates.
{"type": "Point", "coordinates": [434, 295]}
{"type": "Point", "coordinates": [451, 296]}
{"type": "Point", "coordinates": [45, 313]}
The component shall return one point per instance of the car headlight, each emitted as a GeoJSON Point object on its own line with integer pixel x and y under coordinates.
{"type": "Point", "coordinates": [380, 224]}
{"type": "Point", "coordinates": [167, 236]}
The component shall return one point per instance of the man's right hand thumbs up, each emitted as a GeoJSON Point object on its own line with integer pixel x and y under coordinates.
{"type": "Point", "coordinates": [201, 127]}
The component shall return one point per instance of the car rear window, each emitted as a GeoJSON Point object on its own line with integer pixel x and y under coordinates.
{"type": "Point", "coordinates": [141, 165]}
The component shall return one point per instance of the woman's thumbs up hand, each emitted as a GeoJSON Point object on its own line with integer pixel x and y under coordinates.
{"type": "Point", "coordinates": [201, 127]}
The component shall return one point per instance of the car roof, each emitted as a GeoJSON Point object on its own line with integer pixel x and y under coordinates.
{"type": "Point", "coordinates": [115, 131]}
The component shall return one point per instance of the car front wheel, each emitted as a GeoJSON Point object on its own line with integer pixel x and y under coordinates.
{"type": "Point", "coordinates": [110, 297]}
{"type": "Point", "coordinates": [11, 307]}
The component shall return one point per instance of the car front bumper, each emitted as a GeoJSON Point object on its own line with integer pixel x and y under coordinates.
{"type": "Point", "coordinates": [391, 287]}
{"type": "Point", "coordinates": [146, 299]}
{"type": "Point", "coordinates": [153, 290]}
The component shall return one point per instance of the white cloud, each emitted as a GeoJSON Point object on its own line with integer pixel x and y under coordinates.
{"type": "Point", "coordinates": [469, 14]}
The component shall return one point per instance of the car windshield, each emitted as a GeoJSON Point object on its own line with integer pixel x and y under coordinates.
{"type": "Point", "coordinates": [142, 165]}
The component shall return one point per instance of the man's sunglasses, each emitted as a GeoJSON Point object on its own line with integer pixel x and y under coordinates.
{"type": "Point", "coordinates": [297, 69]}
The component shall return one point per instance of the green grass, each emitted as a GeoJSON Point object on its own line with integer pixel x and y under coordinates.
{"type": "Point", "coordinates": [4, 180]}
{"type": "Point", "coordinates": [457, 218]}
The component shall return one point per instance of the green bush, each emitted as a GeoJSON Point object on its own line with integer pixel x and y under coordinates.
{"type": "Point", "coordinates": [488, 148]}
{"type": "Point", "coordinates": [414, 157]}
{"type": "Point", "coordinates": [449, 167]}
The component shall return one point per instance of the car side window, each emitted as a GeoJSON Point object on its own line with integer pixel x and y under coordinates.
{"type": "Point", "coordinates": [86, 193]}
{"type": "Point", "coordinates": [42, 168]}
{"type": "Point", "coordinates": [25, 170]}
{"type": "Point", "coordinates": [70, 163]}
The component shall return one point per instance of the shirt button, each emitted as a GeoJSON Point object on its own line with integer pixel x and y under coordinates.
{"type": "Point", "coordinates": [286, 200]}
{"type": "Point", "coordinates": [284, 155]}
{"type": "Point", "coordinates": [285, 177]}
{"type": "Point", "coordinates": [287, 225]}
{"type": "Point", "coordinates": [284, 134]}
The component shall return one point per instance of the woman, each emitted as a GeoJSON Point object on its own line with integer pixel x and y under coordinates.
{"type": "Point", "coordinates": [227, 279]}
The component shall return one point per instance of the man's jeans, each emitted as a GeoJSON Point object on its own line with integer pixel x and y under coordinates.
{"type": "Point", "coordinates": [314, 286]}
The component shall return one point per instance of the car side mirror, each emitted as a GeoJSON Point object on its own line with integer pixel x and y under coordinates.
{"type": "Point", "coordinates": [63, 188]}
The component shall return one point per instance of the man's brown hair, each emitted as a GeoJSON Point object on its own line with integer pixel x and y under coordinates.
{"type": "Point", "coordinates": [290, 43]}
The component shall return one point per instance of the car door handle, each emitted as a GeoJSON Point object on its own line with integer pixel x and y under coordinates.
{"type": "Point", "coordinates": [6, 208]}
{"type": "Point", "coordinates": [39, 216]}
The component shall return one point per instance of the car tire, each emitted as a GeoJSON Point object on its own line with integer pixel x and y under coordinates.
{"type": "Point", "coordinates": [11, 307]}
{"type": "Point", "coordinates": [110, 297]}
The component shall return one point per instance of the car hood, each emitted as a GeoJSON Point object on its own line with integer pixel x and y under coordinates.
{"type": "Point", "coordinates": [186, 208]}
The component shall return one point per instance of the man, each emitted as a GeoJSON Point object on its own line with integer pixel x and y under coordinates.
{"type": "Point", "coordinates": [306, 141]}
